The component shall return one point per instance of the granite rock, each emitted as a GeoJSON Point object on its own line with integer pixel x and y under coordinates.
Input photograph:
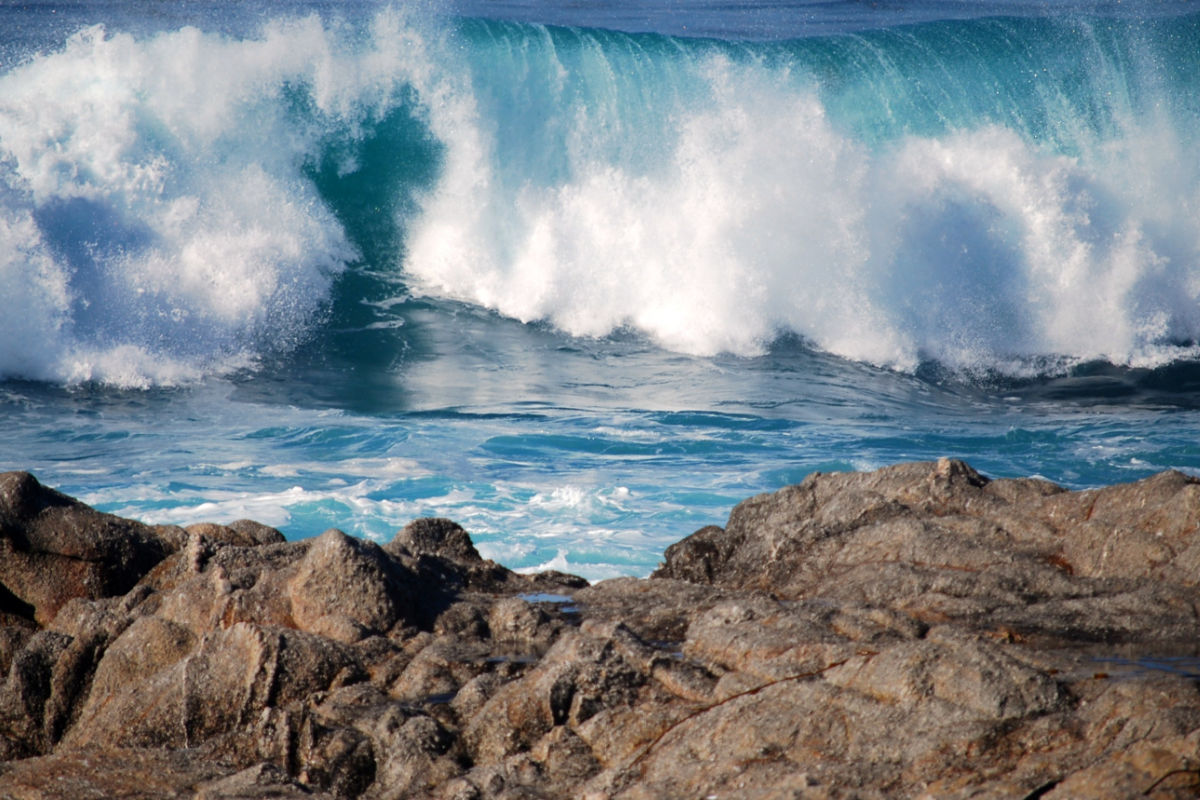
{"type": "Point", "coordinates": [918, 631]}
{"type": "Point", "coordinates": [54, 548]}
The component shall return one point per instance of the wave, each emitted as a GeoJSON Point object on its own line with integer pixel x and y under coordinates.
{"type": "Point", "coordinates": [160, 212]}
{"type": "Point", "coordinates": [993, 195]}
{"type": "Point", "coordinates": [1005, 196]}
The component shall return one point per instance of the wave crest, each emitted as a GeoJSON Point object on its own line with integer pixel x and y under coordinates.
{"type": "Point", "coordinates": [713, 200]}
{"type": "Point", "coordinates": [179, 204]}
{"type": "Point", "coordinates": [156, 212]}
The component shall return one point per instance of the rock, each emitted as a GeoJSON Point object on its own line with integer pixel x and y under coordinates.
{"type": "Point", "coordinates": [204, 689]}
{"type": "Point", "coordinates": [349, 580]}
{"type": "Point", "coordinates": [941, 542]}
{"type": "Point", "coordinates": [26, 712]}
{"type": "Point", "coordinates": [146, 773]}
{"type": "Point", "coordinates": [54, 548]}
{"type": "Point", "coordinates": [918, 631]}
{"type": "Point", "coordinates": [1146, 769]}
{"type": "Point", "coordinates": [579, 677]}
{"type": "Point", "coordinates": [119, 772]}
{"type": "Point", "coordinates": [437, 670]}
{"type": "Point", "coordinates": [526, 625]}
{"type": "Point", "coordinates": [435, 537]}
{"type": "Point", "coordinates": [242, 533]}
{"type": "Point", "coordinates": [978, 677]}
{"type": "Point", "coordinates": [14, 611]}
{"type": "Point", "coordinates": [255, 533]}
{"type": "Point", "coordinates": [147, 647]}
{"type": "Point", "coordinates": [410, 750]}
{"type": "Point", "coordinates": [225, 586]}
{"type": "Point", "coordinates": [252, 783]}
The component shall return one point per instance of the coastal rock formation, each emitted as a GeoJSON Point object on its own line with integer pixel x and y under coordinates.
{"type": "Point", "coordinates": [918, 631]}
{"type": "Point", "coordinates": [54, 548]}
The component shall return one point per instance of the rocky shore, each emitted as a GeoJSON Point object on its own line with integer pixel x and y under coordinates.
{"type": "Point", "coordinates": [919, 631]}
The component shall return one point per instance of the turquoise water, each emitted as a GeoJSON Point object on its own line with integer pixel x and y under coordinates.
{"type": "Point", "coordinates": [583, 286]}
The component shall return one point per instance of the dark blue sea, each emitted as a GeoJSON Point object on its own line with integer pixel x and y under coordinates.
{"type": "Point", "coordinates": [582, 275]}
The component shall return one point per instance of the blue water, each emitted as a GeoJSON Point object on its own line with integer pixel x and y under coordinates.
{"type": "Point", "coordinates": [582, 276]}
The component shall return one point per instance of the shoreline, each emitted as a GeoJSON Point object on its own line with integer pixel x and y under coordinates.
{"type": "Point", "coordinates": [916, 631]}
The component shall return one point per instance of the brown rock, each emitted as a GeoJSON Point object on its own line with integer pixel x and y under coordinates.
{"type": "Point", "coordinates": [919, 631]}
{"type": "Point", "coordinates": [219, 686]}
{"type": "Point", "coordinates": [434, 536]}
{"type": "Point", "coordinates": [54, 548]}
{"type": "Point", "coordinates": [343, 579]}
{"type": "Point", "coordinates": [115, 772]}
{"type": "Point", "coordinates": [242, 533]}
{"type": "Point", "coordinates": [940, 542]}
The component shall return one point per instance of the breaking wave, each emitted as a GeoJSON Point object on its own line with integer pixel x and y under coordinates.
{"type": "Point", "coordinates": [1006, 195]}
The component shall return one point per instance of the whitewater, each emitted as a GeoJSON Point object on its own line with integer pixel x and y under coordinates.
{"type": "Point", "coordinates": [582, 277]}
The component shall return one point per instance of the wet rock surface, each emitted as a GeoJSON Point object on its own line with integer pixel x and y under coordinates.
{"type": "Point", "coordinates": [918, 631]}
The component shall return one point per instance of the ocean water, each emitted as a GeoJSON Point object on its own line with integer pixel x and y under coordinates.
{"type": "Point", "coordinates": [582, 275]}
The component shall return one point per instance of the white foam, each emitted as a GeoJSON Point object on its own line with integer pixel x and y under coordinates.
{"type": "Point", "coordinates": [562, 563]}
{"type": "Point", "coordinates": [155, 224]}
{"type": "Point", "coordinates": [991, 250]}
{"type": "Point", "coordinates": [978, 248]}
